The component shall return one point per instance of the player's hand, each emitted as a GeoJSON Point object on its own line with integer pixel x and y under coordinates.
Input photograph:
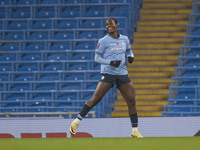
{"type": "Point", "coordinates": [115, 63]}
{"type": "Point", "coordinates": [130, 59]}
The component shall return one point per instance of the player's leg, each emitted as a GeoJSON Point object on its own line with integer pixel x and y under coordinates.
{"type": "Point", "coordinates": [101, 90]}
{"type": "Point", "coordinates": [128, 92]}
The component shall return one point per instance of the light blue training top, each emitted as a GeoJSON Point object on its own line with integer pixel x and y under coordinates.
{"type": "Point", "coordinates": [108, 49]}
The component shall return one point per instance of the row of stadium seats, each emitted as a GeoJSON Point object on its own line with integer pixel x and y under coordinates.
{"type": "Point", "coordinates": [45, 2]}
{"type": "Point", "coordinates": [184, 92]}
{"type": "Point", "coordinates": [57, 23]}
{"type": "Point", "coordinates": [47, 55]}
{"type": "Point", "coordinates": [29, 66]}
{"type": "Point", "coordinates": [66, 11]}
{"type": "Point", "coordinates": [49, 76]}
{"type": "Point", "coordinates": [32, 45]}
{"type": "Point", "coordinates": [55, 34]}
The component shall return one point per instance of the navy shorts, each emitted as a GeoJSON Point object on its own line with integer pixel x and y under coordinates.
{"type": "Point", "coordinates": [115, 79]}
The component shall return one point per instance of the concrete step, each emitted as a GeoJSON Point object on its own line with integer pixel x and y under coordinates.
{"type": "Point", "coordinates": [145, 17]}
{"type": "Point", "coordinates": [162, 28]}
{"type": "Point", "coordinates": [140, 108]}
{"type": "Point", "coordinates": [147, 97]}
{"type": "Point", "coordinates": [158, 40]}
{"type": "Point", "coordinates": [156, 1]}
{"type": "Point", "coordinates": [140, 114]}
{"type": "Point", "coordinates": [156, 46]}
{"type": "Point", "coordinates": [151, 74]}
{"type": "Point", "coordinates": [152, 86]}
{"type": "Point", "coordinates": [152, 91]}
{"type": "Point", "coordinates": [156, 57]}
{"type": "Point", "coordinates": [158, 34]}
{"type": "Point", "coordinates": [157, 52]}
{"type": "Point", "coordinates": [163, 23]}
{"type": "Point", "coordinates": [169, 11]}
{"type": "Point", "coordinates": [143, 103]}
{"type": "Point", "coordinates": [147, 69]}
{"type": "Point", "coordinates": [151, 80]}
{"type": "Point", "coordinates": [166, 5]}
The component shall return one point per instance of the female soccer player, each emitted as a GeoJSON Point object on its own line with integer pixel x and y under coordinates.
{"type": "Point", "coordinates": [112, 52]}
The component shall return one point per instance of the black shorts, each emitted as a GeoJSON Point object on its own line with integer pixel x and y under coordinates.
{"type": "Point", "coordinates": [115, 79]}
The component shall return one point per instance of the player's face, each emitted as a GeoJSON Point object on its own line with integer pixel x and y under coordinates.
{"type": "Point", "coordinates": [111, 26]}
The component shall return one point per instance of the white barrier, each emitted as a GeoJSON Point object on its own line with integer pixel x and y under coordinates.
{"type": "Point", "coordinates": [98, 127]}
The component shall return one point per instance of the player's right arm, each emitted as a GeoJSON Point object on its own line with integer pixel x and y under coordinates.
{"type": "Point", "coordinates": [99, 55]}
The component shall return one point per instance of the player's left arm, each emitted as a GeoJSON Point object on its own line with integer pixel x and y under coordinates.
{"type": "Point", "coordinates": [129, 53]}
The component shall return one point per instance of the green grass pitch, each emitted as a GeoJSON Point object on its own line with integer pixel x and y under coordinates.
{"type": "Point", "coordinates": [148, 143]}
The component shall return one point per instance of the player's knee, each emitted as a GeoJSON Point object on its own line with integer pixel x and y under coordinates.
{"type": "Point", "coordinates": [93, 101]}
{"type": "Point", "coordinates": [131, 98]}
{"type": "Point", "coordinates": [131, 101]}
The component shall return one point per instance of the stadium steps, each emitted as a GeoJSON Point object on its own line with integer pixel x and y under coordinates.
{"type": "Point", "coordinates": [156, 48]}
{"type": "Point", "coordinates": [158, 34]}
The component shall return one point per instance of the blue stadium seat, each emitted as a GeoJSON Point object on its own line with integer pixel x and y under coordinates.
{"type": "Point", "coordinates": [37, 103]}
{"type": "Point", "coordinates": [58, 56]}
{"type": "Point", "coordinates": [42, 25]}
{"type": "Point", "coordinates": [28, 67]}
{"type": "Point", "coordinates": [4, 2]}
{"type": "Point", "coordinates": [88, 35]}
{"type": "Point", "coordinates": [92, 86]}
{"type": "Point", "coordinates": [2, 12]}
{"type": "Point", "coordinates": [67, 96]}
{"type": "Point", "coordinates": [17, 25]}
{"type": "Point", "coordinates": [25, 2]}
{"type": "Point", "coordinates": [1, 87]}
{"type": "Point", "coordinates": [88, 96]}
{"type": "Point", "coordinates": [196, 32]}
{"type": "Point", "coordinates": [31, 57]}
{"type": "Point", "coordinates": [81, 56]}
{"type": "Point", "coordinates": [1, 24]}
{"type": "Point", "coordinates": [45, 86]}
{"type": "Point", "coordinates": [23, 12]}
{"type": "Point", "coordinates": [34, 46]}
{"type": "Point", "coordinates": [14, 36]}
{"type": "Point", "coordinates": [99, 1]}
{"type": "Point", "coordinates": [97, 11]}
{"type": "Point", "coordinates": [185, 96]}
{"type": "Point", "coordinates": [24, 77]}
{"type": "Point", "coordinates": [84, 46]}
{"type": "Point", "coordinates": [41, 96]}
{"type": "Point", "coordinates": [15, 97]}
{"type": "Point", "coordinates": [74, 76]}
{"type": "Point", "coordinates": [73, 1]}
{"type": "Point", "coordinates": [7, 57]}
{"type": "Point", "coordinates": [20, 87]}
{"type": "Point", "coordinates": [70, 12]}
{"type": "Point", "coordinates": [71, 86]}
{"type": "Point", "coordinates": [10, 47]}
{"type": "Point", "coordinates": [91, 24]}
{"type": "Point", "coordinates": [195, 43]}
{"type": "Point", "coordinates": [95, 77]}
{"type": "Point", "coordinates": [39, 35]}
{"type": "Point", "coordinates": [49, 1]}
{"type": "Point", "coordinates": [78, 66]}
{"type": "Point", "coordinates": [118, 11]}
{"type": "Point", "coordinates": [49, 77]}
{"type": "Point", "coordinates": [60, 46]}
{"type": "Point", "coordinates": [63, 35]}
{"type": "Point", "coordinates": [53, 67]}
{"type": "Point", "coordinates": [6, 67]}
{"type": "Point", "coordinates": [68, 24]}
{"type": "Point", "coordinates": [4, 77]}
{"type": "Point", "coordinates": [45, 12]}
